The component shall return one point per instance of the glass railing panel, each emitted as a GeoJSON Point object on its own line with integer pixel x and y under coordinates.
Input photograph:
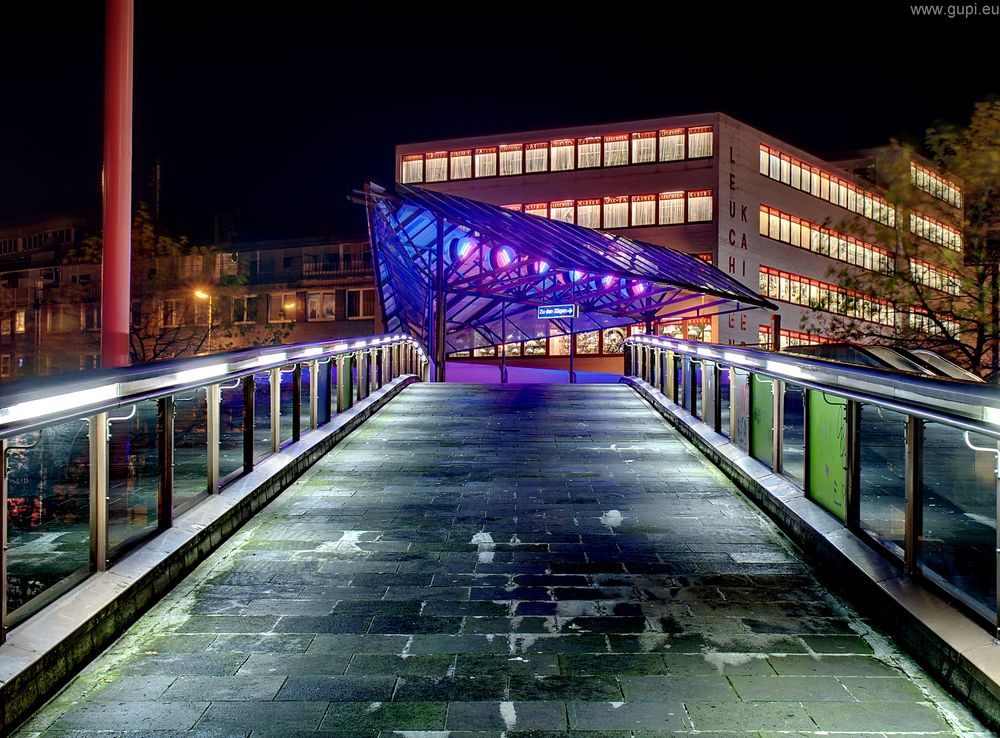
{"type": "Point", "coordinates": [724, 395]}
{"type": "Point", "coordinates": [793, 426]}
{"type": "Point", "coordinates": [959, 542]}
{"type": "Point", "coordinates": [882, 489]}
{"type": "Point", "coordinates": [287, 377]}
{"type": "Point", "coordinates": [262, 415]}
{"type": "Point", "coordinates": [133, 473]}
{"type": "Point", "coordinates": [698, 389]}
{"type": "Point", "coordinates": [306, 398]}
{"type": "Point", "coordinates": [232, 426]}
{"type": "Point", "coordinates": [190, 448]}
{"type": "Point", "coordinates": [48, 514]}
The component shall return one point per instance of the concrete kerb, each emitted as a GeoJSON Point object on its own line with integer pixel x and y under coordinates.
{"type": "Point", "coordinates": [949, 644]}
{"type": "Point", "coordinates": [42, 653]}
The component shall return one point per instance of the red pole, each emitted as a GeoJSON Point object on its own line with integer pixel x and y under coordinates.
{"type": "Point", "coordinates": [116, 273]}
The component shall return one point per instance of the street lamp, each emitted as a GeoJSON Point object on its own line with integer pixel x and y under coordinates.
{"type": "Point", "coordinates": [202, 295]}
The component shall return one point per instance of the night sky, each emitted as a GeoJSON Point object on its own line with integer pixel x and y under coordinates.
{"type": "Point", "coordinates": [279, 111]}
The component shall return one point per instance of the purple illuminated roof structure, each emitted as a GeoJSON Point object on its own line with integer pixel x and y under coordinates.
{"type": "Point", "coordinates": [497, 266]}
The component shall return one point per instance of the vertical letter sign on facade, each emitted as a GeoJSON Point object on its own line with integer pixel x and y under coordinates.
{"type": "Point", "coordinates": [827, 452]}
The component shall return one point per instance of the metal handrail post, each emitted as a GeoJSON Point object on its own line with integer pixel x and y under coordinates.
{"type": "Point", "coordinates": [98, 436]}
{"type": "Point", "coordinates": [249, 392]}
{"type": "Point", "coordinates": [213, 414]}
{"type": "Point", "coordinates": [274, 380]}
{"type": "Point", "coordinates": [296, 402]}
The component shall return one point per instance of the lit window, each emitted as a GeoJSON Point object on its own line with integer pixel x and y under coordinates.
{"type": "Point", "coordinates": [672, 144]}
{"type": "Point", "coordinates": [671, 208]}
{"type": "Point", "coordinates": [19, 321]}
{"type": "Point", "coordinates": [510, 159]}
{"type": "Point", "coordinates": [588, 343]}
{"type": "Point", "coordinates": [512, 349]}
{"type": "Point", "coordinates": [588, 152]}
{"type": "Point", "coordinates": [536, 157]}
{"type": "Point", "coordinates": [90, 317]}
{"type": "Point", "coordinates": [562, 155]}
{"type": "Point", "coordinates": [699, 142]}
{"type": "Point", "coordinates": [541, 209]}
{"type": "Point", "coordinates": [588, 213]}
{"type": "Point", "coordinates": [486, 162]}
{"type": "Point", "coordinates": [616, 211]}
{"type": "Point", "coordinates": [412, 169]}
{"type": "Point", "coordinates": [461, 164]}
{"type": "Point", "coordinates": [643, 147]}
{"type": "Point", "coordinates": [190, 267]}
{"type": "Point", "coordinates": [321, 306]}
{"type": "Point", "coordinates": [515, 207]}
{"type": "Point", "coordinates": [360, 304]}
{"type": "Point", "coordinates": [282, 307]}
{"type": "Point", "coordinates": [245, 309]}
{"type": "Point", "coordinates": [171, 314]}
{"type": "Point", "coordinates": [562, 210]}
{"type": "Point", "coordinates": [559, 346]}
{"type": "Point", "coordinates": [616, 150]}
{"type": "Point", "coordinates": [437, 166]}
{"type": "Point", "coordinates": [614, 340]}
{"type": "Point", "coordinates": [643, 210]}
{"type": "Point", "coordinates": [535, 347]}
{"type": "Point", "coordinates": [699, 206]}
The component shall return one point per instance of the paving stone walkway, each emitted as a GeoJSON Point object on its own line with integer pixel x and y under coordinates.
{"type": "Point", "coordinates": [486, 562]}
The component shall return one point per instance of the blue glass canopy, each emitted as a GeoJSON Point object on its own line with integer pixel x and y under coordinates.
{"type": "Point", "coordinates": [497, 266]}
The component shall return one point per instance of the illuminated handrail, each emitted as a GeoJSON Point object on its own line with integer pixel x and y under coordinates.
{"type": "Point", "coordinates": [32, 403]}
{"type": "Point", "coordinates": [969, 405]}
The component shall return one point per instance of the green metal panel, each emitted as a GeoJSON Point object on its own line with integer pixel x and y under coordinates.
{"type": "Point", "coordinates": [826, 438]}
{"type": "Point", "coordinates": [762, 419]}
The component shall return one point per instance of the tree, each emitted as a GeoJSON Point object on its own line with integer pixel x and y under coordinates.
{"type": "Point", "coordinates": [944, 299]}
{"type": "Point", "coordinates": [180, 295]}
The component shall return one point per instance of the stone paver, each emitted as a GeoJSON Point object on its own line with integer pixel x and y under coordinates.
{"type": "Point", "coordinates": [487, 562]}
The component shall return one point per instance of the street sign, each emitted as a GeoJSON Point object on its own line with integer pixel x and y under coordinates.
{"type": "Point", "coordinates": [552, 312]}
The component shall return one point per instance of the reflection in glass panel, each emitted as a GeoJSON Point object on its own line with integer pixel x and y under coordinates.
{"type": "Point", "coordinates": [697, 388]}
{"type": "Point", "coordinates": [793, 445]}
{"type": "Point", "coordinates": [883, 476]}
{"type": "Point", "coordinates": [133, 474]}
{"type": "Point", "coordinates": [48, 511]}
{"type": "Point", "coordinates": [306, 407]}
{"type": "Point", "coordinates": [231, 429]}
{"type": "Point", "coordinates": [287, 403]}
{"type": "Point", "coordinates": [678, 380]}
{"type": "Point", "coordinates": [535, 347]}
{"type": "Point", "coordinates": [559, 345]}
{"type": "Point", "coordinates": [724, 376]}
{"type": "Point", "coordinates": [190, 448]}
{"type": "Point", "coordinates": [958, 545]}
{"type": "Point", "coordinates": [587, 343]}
{"type": "Point", "coordinates": [614, 340]}
{"type": "Point", "coordinates": [261, 415]}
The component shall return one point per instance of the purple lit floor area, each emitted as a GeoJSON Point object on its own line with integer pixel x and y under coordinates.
{"type": "Point", "coordinates": [490, 374]}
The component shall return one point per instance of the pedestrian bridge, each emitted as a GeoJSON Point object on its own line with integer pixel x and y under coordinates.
{"type": "Point", "coordinates": [439, 559]}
